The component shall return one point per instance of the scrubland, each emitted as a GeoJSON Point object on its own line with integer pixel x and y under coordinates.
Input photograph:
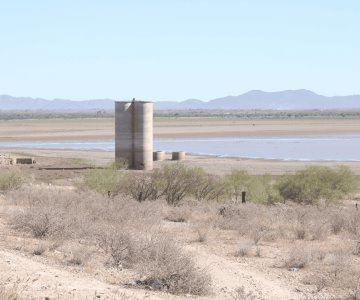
{"type": "Point", "coordinates": [179, 232]}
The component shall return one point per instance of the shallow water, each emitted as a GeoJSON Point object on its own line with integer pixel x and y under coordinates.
{"type": "Point", "coordinates": [344, 147]}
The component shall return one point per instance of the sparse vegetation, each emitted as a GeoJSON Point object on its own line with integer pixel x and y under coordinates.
{"type": "Point", "coordinates": [106, 181]}
{"type": "Point", "coordinates": [10, 180]}
{"type": "Point", "coordinates": [9, 293]}
{"type": "Point", "coordinates": [316, 182]}
{"type": "Point", "coordinates": [148, 232]}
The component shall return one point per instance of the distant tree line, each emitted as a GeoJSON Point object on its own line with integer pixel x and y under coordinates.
{"type": "Point", "coordinates": [189, 113]}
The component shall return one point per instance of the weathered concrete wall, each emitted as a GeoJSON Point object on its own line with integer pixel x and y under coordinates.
{"type": "Point", "coordinates": [134, 134]}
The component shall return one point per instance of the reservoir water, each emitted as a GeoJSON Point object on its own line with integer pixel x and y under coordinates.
{"type": "Point", "coordinates": [341, 147]}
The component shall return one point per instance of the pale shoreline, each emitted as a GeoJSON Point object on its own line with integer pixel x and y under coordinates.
{"type": "Point", "coordinates": [212, 164]}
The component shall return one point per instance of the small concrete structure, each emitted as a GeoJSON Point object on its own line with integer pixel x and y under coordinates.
{"type": "Point", "coordinates": [180, 155]}
{"type": "Point", "coordinates": [134, 134]}
{"type": "Point", "coordinates": [23, 161]}
{"type": "Point", "coordinates": [158, 155]}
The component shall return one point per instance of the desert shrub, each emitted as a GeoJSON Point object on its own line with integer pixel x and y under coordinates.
{"type": "Point", "coordinates": [177, 214]}
{"type": "Point", "coordinates": [208, 187]}
{"type": "Point", "coordinates": [142, 187]}
{"type": "Point", "coordinates": [317, 182]}
{"type": "Point", "coordinates": [41, 222]}
{"type": "Point", "coordinates": [116, 242]}
{"type": "Point", "coordinates": [104, 180]}
{"type": "Point", "coordinates": [237, 182]}
{"type": "Point", "coordinates": [337, 221]}
{"type": "Point", "coordinates": [298, 258]}
{"type": "Point", "coordinates": [240, 294]}
{"type": "Point", "coordinates": [352, 223]}
{"type": "Point", "coordinates": [167, 267]}
{"type": "Point", "coordinates": [243, 249]}
{"type": "Point", "coordinates": [202, 230]}
{"type": "Point", "coordinates": [39, 249]}
{"type": "Point", "coordinates": [7, 293]}
{"type": "Point", "coordinates": [259, 189]}
{"type": "Point", "coordinates": [175, 181]}
{"type": "Point", "coordinates": [10, 180]}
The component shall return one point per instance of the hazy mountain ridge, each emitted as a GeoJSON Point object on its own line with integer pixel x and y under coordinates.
{"type": "Point", "coordinates": [256, 99]}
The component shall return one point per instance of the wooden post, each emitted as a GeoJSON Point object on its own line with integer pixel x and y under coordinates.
{"type": "Point", "coordinates": [243, 197]}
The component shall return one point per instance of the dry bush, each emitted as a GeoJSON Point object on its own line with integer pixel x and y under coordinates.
{"type": "Point", "coordinates": [11, 179]}
{"type": "Point", "coordinates": [41, 222]}
{"type": "Point", "coordinates": [243, 249]}
{"type": "Point", "coordinates": [166, 266]}
{"type": "Point", "coordinates": [352, 224]}
{"type": "Point", "coordinates": [202, 230]}
{"type": "Point", "coordinates": [78, 257]}
{"type": "Point", "coordinates": [39, 249]}
{"type": "Point", "coordinates": [337, 221]}
{"type": "Point", "coordinates": [339, 260]}
{"type": "Point", "coordinates": [7, 293]}
{"type": "Point", "coordinates": [142, 187]}
{"type": "Point", "coordinates": [117, 243]}
{"type": "Point", "coordinates": [70, 214]}
{"type": "Point", "coordinates": [298, 257]}
{"type": "Point", "coordinates": [319, 279]}
{"type": "Point", "coordinates": [177, 214]}
{"type": "Point", "coordinates": [241, 294]}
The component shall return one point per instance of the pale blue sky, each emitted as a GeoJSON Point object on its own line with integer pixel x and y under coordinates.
{"type": "Point", "coordinates": [177, 49]}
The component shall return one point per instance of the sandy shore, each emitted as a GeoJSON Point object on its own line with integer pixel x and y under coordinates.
{"type": "Point", "coordinates": [82, 129]}
{"type": "Point", "coordinates": [212, 164]}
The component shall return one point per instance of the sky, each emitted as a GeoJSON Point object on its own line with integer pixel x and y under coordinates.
{"type": "Point", "coordinates": [177, 49]}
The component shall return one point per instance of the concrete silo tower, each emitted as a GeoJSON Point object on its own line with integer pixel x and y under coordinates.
{"type": "Point", "coordinates": [134, 134]}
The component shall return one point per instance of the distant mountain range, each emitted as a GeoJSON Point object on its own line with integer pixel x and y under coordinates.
{"type": "Point", "coordinates": [283, 100]}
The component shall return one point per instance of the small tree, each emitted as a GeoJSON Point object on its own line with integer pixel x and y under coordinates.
{"type": "Point", "coordinates": [142, 187]}
{"type": "Point", "coordinates": [208, 187]}
{"type": "Point", "coordinates": [175, 182]}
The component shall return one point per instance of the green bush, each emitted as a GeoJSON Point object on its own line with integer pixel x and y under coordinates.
{"type": "Point", "coordinates": [237, 182]}
{"type": "Point", "coordinates": [207, 187]}
{"type": "Point", "coordinates": [104, 180]}
{"type": "Point", "coordinates": [258, 188]}
{"type": "Point", "coordinates": [10, 180]}
{"type": "Point", "coordinates": [317, 182]}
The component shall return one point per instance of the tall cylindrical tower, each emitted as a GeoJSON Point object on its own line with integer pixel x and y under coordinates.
{"type": "Point", "coordinates": [134, 134]}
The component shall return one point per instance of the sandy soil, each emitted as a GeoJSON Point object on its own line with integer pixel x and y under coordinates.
{"type": "Point", "coordinates": [38, 277]}
{"type": "Point", "coordinates": [104, 128]}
